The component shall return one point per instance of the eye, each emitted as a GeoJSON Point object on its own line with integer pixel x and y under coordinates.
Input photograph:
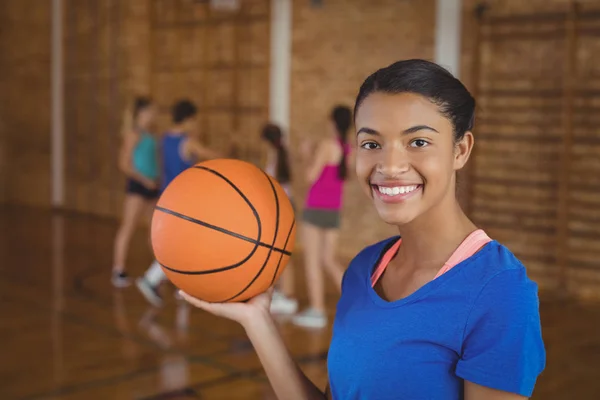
{"type": "Point", "coordinates": [370, 145]}
{"type": "Point", "coordinates": [419, 143]}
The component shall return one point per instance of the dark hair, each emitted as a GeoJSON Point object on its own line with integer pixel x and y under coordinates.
{"type": "Point", "coordinates": [182, 110]}
{"type": "Point", "coordinates": [272, 134]}
{"type": "Point", "coordinates": [139, 104]}
{"type": "Point", "coordinates": [133, 110]}
{"type": "Point", "coordinates": [429, 80]}
{"type": "Point", "coordinates": [342, 118]}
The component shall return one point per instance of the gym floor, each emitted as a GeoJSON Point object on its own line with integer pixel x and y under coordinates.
{"type": "Point", "coordinates": [66, 333]}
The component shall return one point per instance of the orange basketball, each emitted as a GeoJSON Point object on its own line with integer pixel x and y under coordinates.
{"type": "Point", "coordinates": [223, 230]}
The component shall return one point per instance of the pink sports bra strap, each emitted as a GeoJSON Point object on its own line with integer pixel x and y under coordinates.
{"type": "Point", "coordinates": [475, 241]}
{"type": "Point", "coordinates": [385, 260]}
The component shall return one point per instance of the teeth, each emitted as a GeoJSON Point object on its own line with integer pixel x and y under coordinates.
{"type": "Point", "coordinates": [394, 191]}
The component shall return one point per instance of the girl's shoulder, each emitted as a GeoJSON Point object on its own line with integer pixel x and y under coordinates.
{"type": "Point", "coordinates": [327, 142]}
{"type": "Point", "coordinates": [321, 144]}
{"type": "Point", "coordinates": [495, 259]}
{"type": "Point", "coordinates": [369, 255]}
{"type": "Point", "coordinates": [331, 148]}
{"type": "Point", "coordinates": [131, 133]}
{"type": "Point", "coordinates": [130, 136]}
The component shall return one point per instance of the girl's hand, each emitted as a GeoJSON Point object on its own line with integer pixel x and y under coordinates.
{"type": "Point", "coordinates": [244, 313]}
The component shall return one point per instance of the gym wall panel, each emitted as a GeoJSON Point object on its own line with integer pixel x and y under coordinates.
{"type": "Point", "coordinates": [25, 102]}
{"type": "Point", "coordinates": [534, 175]}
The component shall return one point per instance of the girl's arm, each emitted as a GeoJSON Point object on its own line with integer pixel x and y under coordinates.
{"type": "Point", "coordinates": [318, 162]}
{"type": "Point", "coordinates": [126, 162]}
{"type": "Point", "coordinates": [286, 377]}
{"type": "Point", "coordinates": [194, 148]}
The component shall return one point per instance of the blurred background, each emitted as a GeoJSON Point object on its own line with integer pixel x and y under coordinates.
{"type": "Point", "coordinates": [70, 68]}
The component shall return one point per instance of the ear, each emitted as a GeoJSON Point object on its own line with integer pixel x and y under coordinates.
{"type": "Point", "coordinates": [462, 150]}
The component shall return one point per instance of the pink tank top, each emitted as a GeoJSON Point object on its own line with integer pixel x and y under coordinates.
{"type": "Point", "coordinates": [326, 192]}
{"type": "Point", "coordinates": [467, 248]}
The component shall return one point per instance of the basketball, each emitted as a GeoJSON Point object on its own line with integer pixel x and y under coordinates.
{"type": "Point", "coordinates": [223, 230]}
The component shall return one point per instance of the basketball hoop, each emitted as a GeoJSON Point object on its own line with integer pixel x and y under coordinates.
{"type": "Point", "coordinates": [225, 5]}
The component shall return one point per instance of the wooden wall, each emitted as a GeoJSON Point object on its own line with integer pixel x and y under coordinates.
{"type": "Point", "coordinates": [169, 49]}
{"type": "Point", "coordinates": [534, 182]}
{"type": "Point", "coordinates": [98, 67]}
{"type": "Point", "coordinates": [25, 102]}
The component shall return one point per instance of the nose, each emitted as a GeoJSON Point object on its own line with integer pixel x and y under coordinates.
{"type": "Point", "coordinates": [394, 161]}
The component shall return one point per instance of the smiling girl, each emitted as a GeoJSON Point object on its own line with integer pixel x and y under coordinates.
{"type": "Point", "coordinates": [440, 311]}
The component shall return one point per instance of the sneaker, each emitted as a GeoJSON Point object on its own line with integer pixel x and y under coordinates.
{"type": "Point", "coordinates": [310, 318]}
{"type": "Point", "coordinates": [281, 304]}
{"type": "Point", "coordinates": [177, 296]}
{"type": "Point", "coordinates": [120, 279]}
{"type": "Point", "coordinates": [149, 292]}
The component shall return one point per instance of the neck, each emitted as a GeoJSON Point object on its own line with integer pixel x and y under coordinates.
{"type": "Point", "coordinates": [177, 129]}
{"type": "Point", "coordinates": [433, 237]}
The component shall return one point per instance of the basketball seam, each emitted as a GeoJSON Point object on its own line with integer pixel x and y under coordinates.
{"type": "Point", "coordinates": [190, 219]}
{"type": "Point", "coordinates": [256, 243]}
{"type": "Point", "coordinates": [287, 239]}
{"type": "Point", "coordinates": [259, 273]}
{"type": "Point", "coordinates": [243, 196]}
{"type": "Point", "coordinates": [219, 229]}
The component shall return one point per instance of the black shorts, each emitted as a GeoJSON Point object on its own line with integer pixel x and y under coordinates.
{"type": "Point", "coordinates": [135, 187]}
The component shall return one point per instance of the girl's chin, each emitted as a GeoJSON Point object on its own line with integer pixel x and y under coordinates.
{"type": "Point", "coordinates": [397, 218]}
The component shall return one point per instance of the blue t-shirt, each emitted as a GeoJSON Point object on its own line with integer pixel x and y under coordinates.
{"type": "Point", "coordinates": [172, 161]}
{"type": "Point", "coordinates": [478, 322]}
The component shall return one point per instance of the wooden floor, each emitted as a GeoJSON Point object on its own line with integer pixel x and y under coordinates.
{"type": "Point", "coordinates": [65, 333]}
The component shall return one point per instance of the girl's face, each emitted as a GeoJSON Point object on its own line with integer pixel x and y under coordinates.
{"type": "Point", "coordinates": [145, 117]}
{"type": "Point", "coordinates": [406, 157]}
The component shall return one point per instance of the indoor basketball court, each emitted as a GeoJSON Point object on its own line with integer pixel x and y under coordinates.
{"type": "Point", "coordinates": [70, 69]}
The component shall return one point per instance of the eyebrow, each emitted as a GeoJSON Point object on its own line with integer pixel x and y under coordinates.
{"type": "Point", "coordinates": [410, 130]}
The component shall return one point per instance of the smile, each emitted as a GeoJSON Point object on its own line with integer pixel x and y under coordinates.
{"type": "Point", "coordinates": [394, 194]}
